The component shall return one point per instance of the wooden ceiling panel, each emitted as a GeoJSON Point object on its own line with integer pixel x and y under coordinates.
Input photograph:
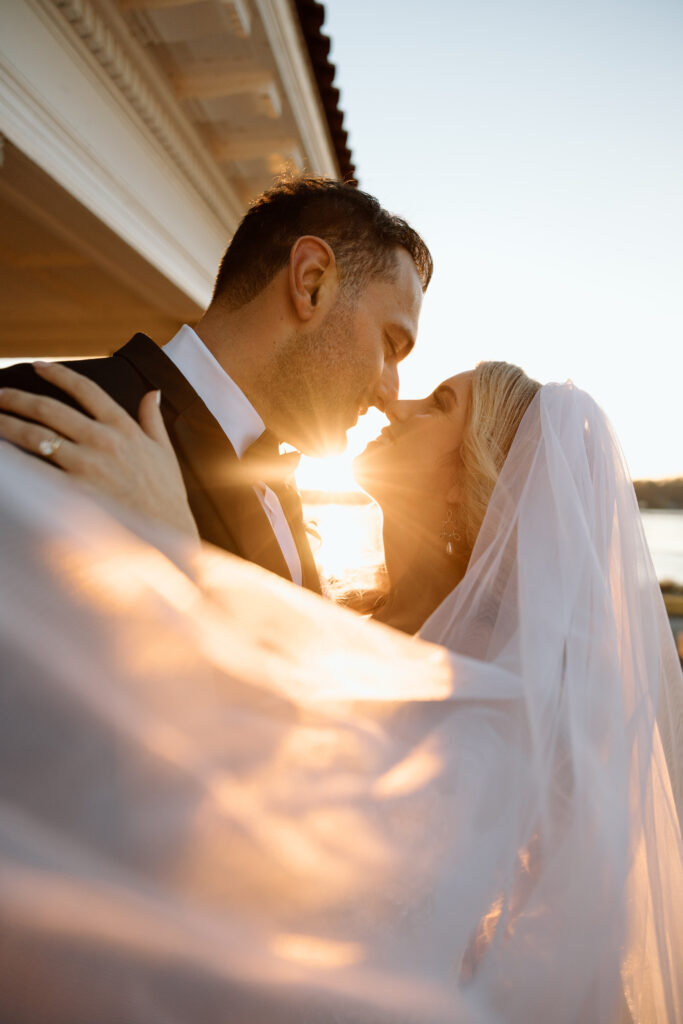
{"type": "Point", "coordinates": [68, 285]}
{"type": "Point", "coordinates": [86, 336]}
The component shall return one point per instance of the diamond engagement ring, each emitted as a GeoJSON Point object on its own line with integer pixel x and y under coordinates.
{"type": "Point", "coordinates": [49, 446]}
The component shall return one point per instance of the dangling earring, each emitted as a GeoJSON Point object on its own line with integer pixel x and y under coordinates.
{"type": "Point", "coordinates": [449, 532]}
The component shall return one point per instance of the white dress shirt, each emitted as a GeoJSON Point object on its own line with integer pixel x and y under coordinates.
{"type": "Point", "coordinates": [238, 420]}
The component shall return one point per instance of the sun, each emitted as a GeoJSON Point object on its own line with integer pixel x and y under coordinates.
{"type": "Point", "coordinates": [333, 474]}
{"type": "Point", "coordinates": [348, 551]}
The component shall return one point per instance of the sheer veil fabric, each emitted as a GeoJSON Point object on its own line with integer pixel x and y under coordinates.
{"type": "Point", "coordinates": [225, 799]}
{"type": "Point", "coordinates": [562, 593]}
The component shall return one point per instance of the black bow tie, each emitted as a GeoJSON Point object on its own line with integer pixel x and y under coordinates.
{"type": "Point", "coordinates": [263, 462]}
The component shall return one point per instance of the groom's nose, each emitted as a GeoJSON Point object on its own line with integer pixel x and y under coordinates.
{"type": "Point", "coordinates": [387, 389]}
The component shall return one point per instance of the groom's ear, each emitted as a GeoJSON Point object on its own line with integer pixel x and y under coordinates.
{"type": "Point", "coordinates": [313, 278]}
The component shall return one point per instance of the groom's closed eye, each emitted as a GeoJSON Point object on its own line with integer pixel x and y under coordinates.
{"type": "Point", "coordinates": [400, 340]}
{"type": "Point", "coordinates": [393, 346]}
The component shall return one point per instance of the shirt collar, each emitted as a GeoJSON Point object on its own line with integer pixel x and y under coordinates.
{"type": "Point", "coordinates": [235, 414]}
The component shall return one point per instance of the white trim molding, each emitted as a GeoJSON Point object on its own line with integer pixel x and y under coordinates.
{"type": "Point", "coordinates": [284, 35]}
{"type": "Point", "coordinates": [84, 102]}
{"type": "Point", "coordinates": [129, 68]}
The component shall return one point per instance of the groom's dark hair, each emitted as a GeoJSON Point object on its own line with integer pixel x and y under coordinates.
{"type": "Point", "coordinates": [362, 235]}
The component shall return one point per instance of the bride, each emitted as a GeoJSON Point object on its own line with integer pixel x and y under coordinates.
{"type": "Point", "coordinates": [227, 799]}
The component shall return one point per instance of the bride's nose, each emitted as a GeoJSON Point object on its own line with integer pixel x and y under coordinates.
{"type": "Point", "coordinates": [398, 409]}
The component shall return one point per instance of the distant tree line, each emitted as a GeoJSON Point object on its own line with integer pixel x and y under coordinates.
{"type": "Point", "coordinates": [659, 493]}
{"type": "Point", "coordinates": [650, 494]}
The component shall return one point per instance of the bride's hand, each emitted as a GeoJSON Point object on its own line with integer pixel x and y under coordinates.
{"type": "Point", "coordinates": [134, 464]}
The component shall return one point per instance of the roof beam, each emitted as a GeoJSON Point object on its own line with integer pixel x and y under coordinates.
{"type": "Point", "coordinates": [210, 79]}
{"type": "Point", "coordinates": [237, 12]}
{"type": "Point", "coordinates": [274, 149]}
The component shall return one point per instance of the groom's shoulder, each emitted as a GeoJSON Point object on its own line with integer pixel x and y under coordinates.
{"type": "Point", "coordinates": [114, 373]}
{"type": "Point", "coordinates": [24, 377]}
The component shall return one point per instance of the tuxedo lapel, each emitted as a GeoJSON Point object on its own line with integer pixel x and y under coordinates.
{"type": "Point", "coordinates": [217, 478]}
{"type": "Point", "coordinates": [148, 360]}
{"type": "Point", "coordinates": [225, 505]}
{"type": "Point", "coordinates": [290, 500]}
{"type": "Point", "coordinates": [278, 472]}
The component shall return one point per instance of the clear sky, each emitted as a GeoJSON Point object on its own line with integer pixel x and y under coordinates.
{"type": "Point", "coordinates": [538, 147]}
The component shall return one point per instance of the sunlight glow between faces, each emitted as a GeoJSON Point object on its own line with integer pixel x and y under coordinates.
{"type": "Point", "coordinates": [334, 473]}
{"type": "Point", "coordinates": [350, 542]}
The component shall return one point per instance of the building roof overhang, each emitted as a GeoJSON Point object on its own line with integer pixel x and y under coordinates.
{"type": "Point", "coordinates": [312, 17]}
{"type": "Point", "coordinates": [163, 119]}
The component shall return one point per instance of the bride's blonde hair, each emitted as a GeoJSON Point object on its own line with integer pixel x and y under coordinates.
{"type": "Point", "coordinates": [501, 394]}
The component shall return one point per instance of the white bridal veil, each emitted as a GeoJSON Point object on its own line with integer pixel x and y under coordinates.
{"type": "Point", "coordinates": [223, 799]}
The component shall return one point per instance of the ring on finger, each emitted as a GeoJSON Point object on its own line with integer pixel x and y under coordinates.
{"type": "Point", "coordinates": [50, 445]}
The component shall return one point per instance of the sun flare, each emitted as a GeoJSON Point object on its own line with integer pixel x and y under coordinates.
{"type": "Point", "coordinates": [334, 474]}
{"type": "Point", "coordinates": [348, 538]}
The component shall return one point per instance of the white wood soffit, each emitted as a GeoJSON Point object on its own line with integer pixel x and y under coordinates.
{"type": "Point", "coordinates": [95, 102]}
{"type": "Point", "coordinates": [77, 99]}
{"type": "Point", "coordinates": [237, 11]}
{"type": "Point", "coordinates": [233, 64]}
{"type": "Point", "coordinates": [211, 78]}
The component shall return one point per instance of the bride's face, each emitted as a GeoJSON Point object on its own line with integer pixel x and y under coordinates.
{"type": "Point", "coordinates": [413, 465]}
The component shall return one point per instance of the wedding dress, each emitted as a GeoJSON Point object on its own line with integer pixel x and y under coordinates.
{"type": "Point", "coordinates": [225, 799]}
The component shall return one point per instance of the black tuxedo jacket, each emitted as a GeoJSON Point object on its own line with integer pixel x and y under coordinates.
{"type": "Point", "coordinates": [227, 511]}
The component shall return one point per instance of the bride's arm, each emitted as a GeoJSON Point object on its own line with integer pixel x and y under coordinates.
{"type": "Point", "coordinates": [133, 463]}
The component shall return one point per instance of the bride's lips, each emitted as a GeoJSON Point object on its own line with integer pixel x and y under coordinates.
{"type": "Point", "coordinates": [385, 437]}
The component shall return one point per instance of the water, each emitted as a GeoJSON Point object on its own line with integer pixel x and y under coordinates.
{"type": "Point", "coordinates": [351, 543]}
{"type": "Point", "coordinates": [664, 532]}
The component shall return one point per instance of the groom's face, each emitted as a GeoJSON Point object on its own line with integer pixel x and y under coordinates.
{"type": "Point", "coordinates": [333, 373]}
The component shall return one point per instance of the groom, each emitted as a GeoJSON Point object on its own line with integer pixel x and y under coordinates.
{"type": "Point", "coordinates": [316, 301]}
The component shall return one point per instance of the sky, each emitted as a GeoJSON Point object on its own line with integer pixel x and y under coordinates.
{"type": "Point", "coordinates": [537, 145]}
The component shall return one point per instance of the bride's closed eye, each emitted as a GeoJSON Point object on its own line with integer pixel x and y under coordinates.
{"type": "Point", "coordinates": [444, 399]}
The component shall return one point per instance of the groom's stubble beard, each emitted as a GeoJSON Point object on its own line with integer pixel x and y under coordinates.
{"type": "Point", "coordinates": [315, 384]}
